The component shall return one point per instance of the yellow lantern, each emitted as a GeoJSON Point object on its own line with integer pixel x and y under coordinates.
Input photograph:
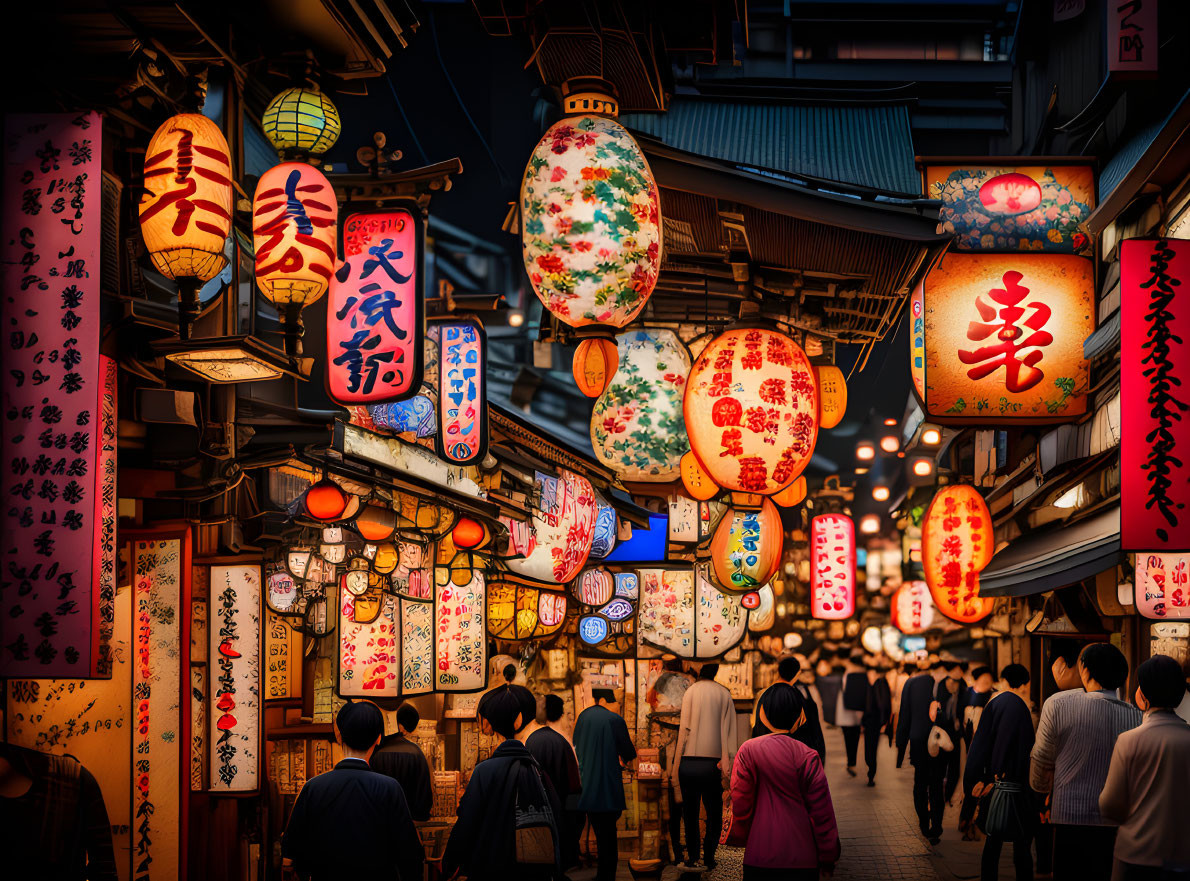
{"type": "Point", "coordinates": [794, 494]}
{"type": "Point", "coordinates": [698, 483]}
{"type": "Point", "coordinates": [185, 211]}
{"type": "Point", "coordinates": [294, 215]}
{"type": "Point", "coordinates": [746, 547]}
{"type": "Point", "coordinates": [595, 363]}
{"type": "Point", "coordinates": [301, 121]}
{"type": "Point", "coordinates": [832, 395]}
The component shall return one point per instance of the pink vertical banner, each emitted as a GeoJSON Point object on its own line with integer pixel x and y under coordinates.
{"type": "Point", "coordinates": [53, 400]}
{"type": "Point", "coordinates": [462, 391]}
{"type": "Point", "coordinates": [832, 567]}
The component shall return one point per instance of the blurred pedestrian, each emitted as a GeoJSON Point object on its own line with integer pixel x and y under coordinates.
{"type": "Point", "coordinates": [604, 746]}
{"type": "Point", "coordinates": [401, 759]}
{"type": "Point", "coordinates": [950, 697]}
{"type": "Point", "coordinates": [876, 716]}
{"type": "Point", "coordinates": [898, 685]}
{"type": "Point", "coordinates": [829, 682]}
{"type": "Point", "coordinates": [853, 698]}
{"type": "Point", "coordinates": [914, 727]}
{"type": "Point", "coordinates": [1063, 655]}
{"type": "Point", "coordinates": [1148, 779]}
{"type": "Point", "coordinates": [1075, 739]}
{"type": "Point", "coordinates": [555, 755]}
{"type": "Point", "coordinates": [978, 695]}
{"type": "Point", "coordinates": [810, 733]}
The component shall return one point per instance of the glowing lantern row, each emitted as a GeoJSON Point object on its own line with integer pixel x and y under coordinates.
{"type": "Point", "coordinates": [751, 410]}
{"type": "Point", "coordinates": [832, 567]}
{"type": "Point", "coordinates": [636, 424]}
{"type": "Point", "coordinates": [957, 544]}
{"type": "Point", "coordinates": [832, 395]}
{"type": "Point", "coordinates": [294, 214]}
{"type": "Point", "coordinates": [594, 366]}
{"type": "Point", "coordinates": [605, 619]}
{"type": "Point", "coordinates": [301, 121]}
{"type": "Point", "coordinates": [746, 547]}
{"type": "Point", "coordinates": [913, 609]}
{"type": "Point", "coordinates": [516, 611]}
{"type": "Point", "coordinates": [462, 437]}
{"type": "Point", "coordinates": [1163, 585]}
{"type": "Point", "coordinates": [555, 546]}
{"type": "Point", "coordinates": [185, 211]}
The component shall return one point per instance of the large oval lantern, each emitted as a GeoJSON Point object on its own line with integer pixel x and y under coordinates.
{"type": "Point", "coordinates": [293, 231]}
{"type": "Point", "coordinates": [751, 410]}
{"type": "Point", "coordinates": [832, 567]}
{"type": "Point", "coordinates": [555, 546]}
{"type": "Point", "coordinates": [956, 544]}
{"type": "Point", "coordinates": [913, 609]}
{"type": "Point", "coordinates": [462, 437]}
{"type": "Point", "coordinates": [832, 395]}
{"type": "Point", "coordinates": [746, 547]}
{"type": "Point", "coordinates": [185, 210]}
{"type": "Point", "coordinates": [1163, 585]}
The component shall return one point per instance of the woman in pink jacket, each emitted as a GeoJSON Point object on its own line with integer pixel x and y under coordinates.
{"type": "Point", "coordinates": [780, 799]}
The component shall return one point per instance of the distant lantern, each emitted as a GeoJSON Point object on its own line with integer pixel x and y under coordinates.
{"type": "Point", "coordinates": [832, 567]}
{"type": "Point", "coordinates": [301, 122]}
{"type": "Point", "coordinates": [751, 410]}
{"type": "Point", "coordinates": [872, 640]}
{"type": "Point", "coordinates": [468, 534]}
{"type": "Point", "coordinates": [957, 543]}
{"type": "Point", "coordinates": [185, 210]}
{"type": "Point", "coordinates": [832, 395]}
{"type": "Point", "coordinates": [746, 548]}
{"type": "Point", "coordinates": [326, 500]}
{"type": "Point", "coordinates": [913, 609]}
{"type": "Point", "coordinates": [794, 494]}
{"type": "Point", "coordinates": [1163, 586]}
{"type": "Point", "coordinates": [293, 228]}
{"type": "Point", "coordinates": [462, 437]}
{"type": "Point", "coordinates": [376, 522]}
{"type": "Point", "coordinates": [594, 365]}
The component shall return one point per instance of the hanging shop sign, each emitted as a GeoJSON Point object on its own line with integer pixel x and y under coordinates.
{"type": "Point", "coordinates": [746, 548]}
{"type": "Point", "coordinates": [235, 678]}
{"type": "Point", "coordinates": [1001, 338]}
{"type": "Point", "coordinates": [58, 440]}
{"type": "Point", "coordinates": [282, 678]}
{"type": "Point", "coordinates": [555, 545]}
{"type": "Point", "coordinates": [417, 646]}
{"type": "Point", "coordinates": [637, 428]}
{"type": "Point", "coordinates": [683, 519]}
{"type": "Point", "coordinates": [913, 608]}
{"type": "Point", "coordinates": [832, 567]}
{"type": "Point", "coordinates": [462, 437]}
{"type": "Point", "coordinates": [683, 612]}
{"type": "Point", "coordinates": [519, 611]}
{"type": "Point", "coordinates": [1132, 37]}
{"type": "Point", "coordinates": [406, 458]}
{"type": "Point", "coordinates": [1163, 585]}
{"type": "Point", "coordinates": [1155, 395]}
{"type": "Point", "coordinates": [957, 543]}
{"type": "Point", "coordinates": [751, 410]}
{"type": "Point", "coordinates": [294, 213]}
{"type": "Point", "coordinates": [369, 654]}
{"type": "Point", "coordinates": [461, 636]}
{"type": "Point", "coordinates": [375, 316]}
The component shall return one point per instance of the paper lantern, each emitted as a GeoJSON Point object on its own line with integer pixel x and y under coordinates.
{"type": "Point", "coordinates": [636, 424]}
{"type": "Point", "coordinates": [746, 548]}
{"type": "Point", "coordinates": [376, 522]}
{"type": "Point", "coordinates": [1163, 586]}
{"type": "Point", "coordinates": [604, 619]}
{"type": "Point", "coordinates": [555, 546]}
{"type": "Point", "coordinates": [594, 365]}
{"type": "Point", "coordinates": [185, 210]}
{"type": "Point", "coordinates": [462, 437]}
{"type": "Point", "coordinates": [594, 587]}
{"type": "Point", "coordinates": [832, 567]}
{"type": "Point", "coordinates": [293, 230]}
{"type": "Point", "coordinates": [326, 500]}
{"type": "Point", "coordinates": [794, 494]}
{"type": "Point", "coordinates": [751, 410]}
{"type": "Point", "coordinates": [872, 639]}
{"type": "Point", "coordinates": [603, 540]}
{"type": "Point", "coordinates": [957, 543]}
{"type": "Point", "coordinates": [385, 558]}
{"type": "Point", "coordinates": [468, 534]}
{"type": "Point", "coordinates": [695, 479]}
{"type": "Point", "coordinates": [301, 121]}
{"type": "Point", "coordinates": [516, 611]}
{"type": "Point", "coordinates": [832, 395]}
{"type": "Point", "coordinates": [912, 608]}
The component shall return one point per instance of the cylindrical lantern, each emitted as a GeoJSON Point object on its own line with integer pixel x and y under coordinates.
{"type": "Point", "coordinates": [376, 522]}
{"type": "Point", "coordinates": [832, 567]}
{"type": "Point", "coordinates": [1163, 585]}
{"type": "Point", "coordinates": [751, 410]}
{"type": "Point", "coordinates": [696, 480]}
{"type": "Point", "coordinates": [185, 211]}
{"type": "Point", "coordinates": [301, 121]}
{"type": "Point", "coordinates": [794, 494]}
{"type": "Point", "coordinates": [832, 395]}
{"type": "Point", "coordinates": [293, 230]}
{"type": "Point", "coordinates": [326, 500]}
{"type": "Point", "coordinates": [746, 547]}
{"type": "Point", "coordinates": [957, 543]}
{"type": "Point", "coordinates": [594, 365]}
{"type": "Point", "coordinates": [913, 608]}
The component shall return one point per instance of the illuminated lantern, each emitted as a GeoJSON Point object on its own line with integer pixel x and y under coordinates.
{"type": "Point", "coordinates": [594, 365]}
{"type": "Point", "coordinates": [555, 546]}
{"type": "Point", "coordinates": [293, 231]}
{"type": "Point", "coordinates": [636, 424]}
{"type": "Point", "coordinates": [595, 587]}
{"type": "Point", "coordinates": [1163, 585]}
{"type": "Point", "coordinates": [385, 558]}
{"type": "Point", "coordinates": [516, 611]}
{"type": "Point", "coordinates": [751, 410]}
{"type": "Point", "coordinates": [325, 500]}
{"type": "Point", "coordinates": [750, 600]}
{"type": "Point", "coordinates": [832, 395]}
{"type": "Point", "coordinates": [604, 538]}
{"type": "Point", "coordinates": [872, 639]}
{"type": "Point", "coordinates": [462, 437]}
{"type": "Point", "coordinates": [1010, 194]}
{"type": "Point", "coordinates": [957, 543]}
{"type": "Point", "coordinates": [832, 567]}
{"type": "Point", "coordinates": [375, 315]}
{"type": "Point", "coordinates": [913, 609]}
{"type": "Point", "coordinates": [794, 494]}
{"type": "Point", "coordinates": [301, 122]}
{"type": "Point", "coordinates": [468, 534]}
{"type": "Point", "coordinates": [376, 522]}
{"type": "Point", "coordinates": [746, 547]}
{"type": "Point", "coordinates": [185, 211]}
{"type": "Point", "coordinates": [696, 480]}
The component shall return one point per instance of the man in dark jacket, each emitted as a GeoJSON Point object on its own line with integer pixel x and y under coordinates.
{"type": "Point", "coordinates": [877, 711]}
{"type": "Point", "coordinates": [914, 722]}
{"type": "Point", "coordinates": [810, 732]}
{"type": "Point", "coordinates": [556, 757]}
{"type": "Point", "coordinates": [402, 759]}
{"type": "Point", "coordinates": [352, 822]}
{"type": "Point", "coordinates": [603, 745]}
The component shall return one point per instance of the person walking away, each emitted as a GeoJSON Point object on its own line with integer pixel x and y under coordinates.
{"type": "Point", "coordinates": [507, 818]}
{"type": "Point", "coordinates": [852, 699]}
{"type": "Point", "coordinates": [1063, 656]}
{"type": "Point", "coordinates": [1148, 779]}
{"type": "Point", "coordinates": [555, 755]}
{"type": "Point", "coordinates": [780, 799]}
{"type": "Point", "coordinates": [706, 746]}
{"type": "Point", "coordinates": [1183, 709]}
{"type": "Point", "coordinates": [902, 676]}
{"type": "Point", "coordinates": [400, 758]}
{"type": "Point", "coordinates": [999, 753]}
{"type": "Point", "coordinates": [829, 682]}
{"type": "Point", "coordinates": [913, 732]}
{"type": "Point", "coordinates": [351, 822]}
{"type": "Point", "coordinates": [950, 697]}
{"type": "Point", "coordinates": [978, 695]}
{"type": "Point", "coordinates": [877, 712]}
{"type": "Point", "coordinates": [809, 733]}
{"type": "Point", "coordinates": [603, 745]}
{"type": "Point", "coordinates": [1075, 739]}
{"type": "Point", "coordinates": [804, 686]}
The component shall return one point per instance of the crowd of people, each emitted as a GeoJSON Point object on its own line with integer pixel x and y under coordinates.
{"type": "Point", "coordinates": [1090, 784]}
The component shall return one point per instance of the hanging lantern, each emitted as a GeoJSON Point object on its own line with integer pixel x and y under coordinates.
{"type": "Point", "coordinates": [1163, 585]}
{"type": "Point", "coordinates": [325, 500]}
{"type": "Point", "coordinates": [293, 231]}
{"type": "Point", "coordinates": [590, 214]}
{"type": "Point", "coordinates": [957, 543]}
{"type": "Point", "coordinates": [750, 600]}
{"type": "Point", "coordinates": [832, 567]}
{"type": "Point", "coordinates": [376, 522]}
{"type": "Point", "coordinates": [794, 494]}
{"type": "Point", "coordinates": [468, 534]}
{"type": "Point", "coordinates": [603, 539]}
{"type": "Point", "coordinates": [462, 437]}
{"type": "Point", "coordinates": [746, 548]}
{"type": "Point", "coordinates": [912, 608]}
{"type": "Point", "coordinates": [301, 121]}
{"type": "Point", "coordinates": [832, 395]}
{"type": "Point", "coordinates": [751, 410]}
{"type": "Point", "coordinates": [594, 365]}
{"type": "Point", "coordinates": [185, 211]}
{"type": "Point", "coordinates": [696, 480]}
{"type": "Point", "coordinates": [556, 545]}
{"type": "Point", "coordinates": [281, 590]}
{"type": "Point", "coordinates": [595, 587]}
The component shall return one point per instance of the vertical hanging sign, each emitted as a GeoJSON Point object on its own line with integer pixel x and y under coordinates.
{"type": "Point", "coordinates": [235, 630]}
{"type": "Point", "coordinates": [832, 567]}
{"type": "Point", "coordinates": [1155, 395]}
{"type": "Point", "coordinates": [462, 391]}
{"type": "Point", "coordinates": [1132, 36]}
{"type": "Point", "coordinates": [53, 400]}
{"type": "Point", "coordinates": [461, 645]}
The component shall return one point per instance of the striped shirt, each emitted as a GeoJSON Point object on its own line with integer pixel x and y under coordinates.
{"type": "Point", "coordinates": [1075, 739]}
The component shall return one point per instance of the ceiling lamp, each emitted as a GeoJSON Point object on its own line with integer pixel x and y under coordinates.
{"type": "Point", "coordinates": [890, 443]}
{"type": "Point", "coordinates": [931, 437]}
{"type": "Point", "coordinates": [468, 534]}
{"type": "Point", "coordinates": [376, 522]}
{"type": "Point", "coordinates": [325, 501]}
{"type": "Point", "coordinates": [880, 493]}
{"type": "Point", "coordinates": [864, 451]}
{"type": "Point", "coordinates": [869, 524]}
{"type": "Point", "coordinates": [594, 365]}
{"type": "Point", "coordinates": [301, 122]}
{"type": "Point", "coordinates": [923, 467]}
{"type": "Point", "coordinates": [832, 395]}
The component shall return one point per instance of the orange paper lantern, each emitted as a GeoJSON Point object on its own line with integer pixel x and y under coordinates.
{"type": "Point", "coordinates": [956, 544]}
{"type": "Point", "coordinates": [294, 215]}
{"type": "Point", "coordinates": [832, 395]}
{"type": "Point", "coordinates": [468, 534]}
{"type": "Point", "coordinates": [696, 480]}
{"type": "Point", "coordinates": [794, 494]}
{"type": "Point", "coordinates": [326, 500]}
{"type": "Point", "coordinates": [746, 547]}
{"type": "Point", "coordinates": [595, 363]}
{"type": "Point", "coordinates": [376, 522]}
{"type": "Point", "coordinates": [832, 567]}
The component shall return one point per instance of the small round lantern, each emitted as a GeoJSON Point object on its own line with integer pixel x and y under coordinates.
{"type": "Point", "coordinates": [301, 121]}
{"type": "Point", "coordinates": [376, 522]}
{"type": "Point", "coordinates": [594, 365]}
{"type": "Point", "coordinates": [832, 395]}
{"type": "Point", "coordinates": [468, 534]}
{"type": "Point", "coordinates": [746, 547]}
{"type": "Point", "coordinates": [385, 559]}
{"type": "Point", "coordinates": [325, 501]}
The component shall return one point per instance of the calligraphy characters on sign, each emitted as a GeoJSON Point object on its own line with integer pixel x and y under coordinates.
{"type": "Point", "coordinates": [957, 543]}
{"type": "Point", "coordinates": [462, 399]}
{"type": "Point", "coordinates": [832, 567]}
{"type": "Point", "coordinates": [293, 226]}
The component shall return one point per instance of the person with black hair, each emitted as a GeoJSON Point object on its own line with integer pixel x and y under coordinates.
{"type": "Point", "coordinates": [1075, 739]}
{"type": "Point", "coordinates": [830, 683]}
{"type": "Point", "coordinates": [401, 759]}
{"type": "Point", "coordinates": [788, 671]}
{"type": "Point", "coordinates": [1148, 779]}
{"type": "Point", "coordinates": [508, 800]}
{"type": "Point", "coordinates": [352, 822]}
{"type": "Point", "coordinates": [556, 757]}
{"type": "Point", "coordinates": [876, 715]}
{"type": "Point", "coordinates": [849, 710]}
{"type": "Point", "coordinates": [1183, 709]}
{"type": "Point", "coordinates": [916, 721]}
{"type": "Point", "coordinates": [604, 746]}
{"type": "Point", "coordinates": [979, 693]}
{"type": "Point", "coordinates": [1064, 663]}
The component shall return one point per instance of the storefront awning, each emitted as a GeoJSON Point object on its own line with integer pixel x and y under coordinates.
{"type": "Point", "coordinates": [1047, 561]}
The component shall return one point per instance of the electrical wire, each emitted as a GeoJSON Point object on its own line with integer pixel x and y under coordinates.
{"type": "Point", "coordinates": [405, 119]}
